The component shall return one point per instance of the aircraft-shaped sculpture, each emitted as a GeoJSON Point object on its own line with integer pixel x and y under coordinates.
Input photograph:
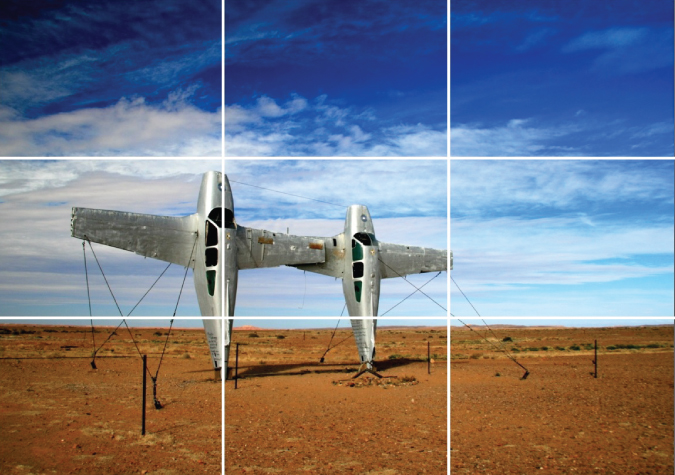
{"type": "Point", "coordinates": [195, 241]}
{"type": "Point", "coordinates": [355, 256]}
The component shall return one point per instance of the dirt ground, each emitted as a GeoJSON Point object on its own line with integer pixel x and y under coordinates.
{"type": "Point", "coordinates": [561, 420]}
{"type": "Point", "coordinates": [291, 414]}
{"type": "Point", "coordinates": [60, 416]}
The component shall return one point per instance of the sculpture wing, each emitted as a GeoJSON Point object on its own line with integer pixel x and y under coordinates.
{"type": "Point", "coordinates": [258, 248]}
{"type": "Point", "coordinates": [165, 238]}
{"type": "Point", "coordinates": [398, 260]}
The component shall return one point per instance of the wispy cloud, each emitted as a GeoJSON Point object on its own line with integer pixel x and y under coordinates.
{"type": "Point", "coordinates": [626, 50]}
{"type": "Point", "coordinates": [130, 127]}
{"type": "Point", "coordinates": [299, 127]}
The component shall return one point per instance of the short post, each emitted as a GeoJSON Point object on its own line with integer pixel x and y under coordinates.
{"type": "Point", "coordinates": [236, 367]}
{"type": "Point", "coordinates": [595, 360]}
{"type": "Point", "coordinates": [145, 365]}
{"type": "Point", "coordinates": [428, 357]}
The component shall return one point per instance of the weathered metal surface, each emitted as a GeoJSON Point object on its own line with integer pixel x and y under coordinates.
{"type": "Point", "coordinates": [364, 334]}
{"type": "Point", "coordinates": [398, 260]}
{"type": "Point", "coordinates": [214, 337]}
{"type": "Point", "coordinates": [254, 250]}
{"type": "Point", "coordinates": [160, 237]}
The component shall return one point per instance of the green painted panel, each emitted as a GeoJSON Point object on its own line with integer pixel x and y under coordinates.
{"type": "Point", "coordinates": [211, 281]}
{"type": "Point", "coordinates": [357, 290]}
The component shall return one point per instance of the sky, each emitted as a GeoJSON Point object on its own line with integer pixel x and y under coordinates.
{"type": "Point", "coordinates": [331, 78]}
{"type": "Point", "coordinates": [95, 78]}
{"type": "Point", "coordinates": [407, 201]}
{"type": "Point", "coordinates": [552, 78]}
{"type": "Point", "coordinates": [562, 237]}
{"type": "Point", "coordinates": [42, 272]}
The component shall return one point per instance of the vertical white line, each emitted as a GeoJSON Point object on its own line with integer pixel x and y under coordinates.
{"type": "Point", "coordinates": [223, 369]}
{"type": "Point", "coordinates": [449, 231]}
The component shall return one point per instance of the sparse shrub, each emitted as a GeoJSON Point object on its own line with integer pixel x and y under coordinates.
{"type": "Point", "coordinates": [544, 348]}
{"type": "Point", "coordinates": [408, 379]}
{"type": "Point", "coordinates": [476, 356]}
{"type": "Point", "coordinates": [431, 336]}
{"type": "Point", "coordinates": [497, 375]}
{"type": "Point", "coordinates": [280, 337]}
{"type": "Point", "coordinates": [156, 334]}
{"type": "Point", "coordinates": [575, 347]}
{"type": "Point", "coordinates": [532, 348]}
{"type": "Point", "coordinates": [395, 357]}
{"type": "Point", "coordinates": [515, 350]}
{"type": "Point", "coordinates": [313, 338]}
{"type": "Point", "coordinates": [186, 356]}
{"type": "Point", "coordinates": [653, 345]}
{"type": "Point", "coordinates": [611, 347]}
{"type": "Point", "coordinates": [560, 348]}
{"type": "Point", "coordinates": [507, 338]}
{"type": "Point", "coordinates": [253, 335]}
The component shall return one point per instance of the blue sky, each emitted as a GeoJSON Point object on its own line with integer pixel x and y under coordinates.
{"type": "Point", "coordinates": [552, 78]}
{"type": "Point", "coordinates": [406, 199]}
{"type": "Point", "coordinates": [562, 237]}
{"type": "Point", "coordinates": [325, 78]}
{"type": "Point", "coordinates": [42, 272]}
{"type": "Point", "coordinates": [94, 78]}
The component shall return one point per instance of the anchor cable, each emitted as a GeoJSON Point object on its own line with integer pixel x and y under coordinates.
{"type": "Point", "coordinates": [418, 288]}
{"type": "Point", "coordinates": [501, 346]}
{"type": "Point", "coordinates": [392, 308]}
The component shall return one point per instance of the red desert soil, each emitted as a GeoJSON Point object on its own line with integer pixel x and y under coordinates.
{"type": "Point", "coordinates": [61, 416]}
{"type": "Point", "coordinates": [561, 419]}
{"type": "Point", "coordinates": [293, 415]}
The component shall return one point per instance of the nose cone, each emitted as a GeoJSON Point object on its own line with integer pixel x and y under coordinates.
{"type": "Point", "coordinates": [210, 195]}
{"type": "Point", "coordinates": [358, 219]}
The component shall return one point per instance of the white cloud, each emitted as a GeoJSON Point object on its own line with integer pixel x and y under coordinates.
{"type": "Point", "coordinates": [514, 139]}
{"type": "Point", "coordinates": [610, 38]}
{"type": "Point", "coordinates": [302, 128]}
{"type": "Point", "coordinates": [130, 127]}
{"type": "Point", "coordinates": [499, 186]}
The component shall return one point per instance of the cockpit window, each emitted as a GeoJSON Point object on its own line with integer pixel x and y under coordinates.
{"type": "Point", "coordinates": [229, 218]}
{"type": "Point", "coordinates": [211, 234]}
{"type": "Point", "coordinates": [216, 215]}
{"type": "Point", "coordinates": [211, 257]}
{"type": "Point", "coordinates": [365, 238]}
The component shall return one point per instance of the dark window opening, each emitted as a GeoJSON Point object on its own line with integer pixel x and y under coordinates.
{"type": "Point", "coordinates": [357, 270]}
{"type": "Point", "coordinates": [216, 215]}
{"type": "Point", "coordinates": [211, 257]}
{"type": "Point", "coordinates": [211, 281]}
{"type": "Point", "coordinates": [364, 239]}
{"type": "Point", "coordinates": [334, 242]}
{"type": "Point", "coordinates": [211, 234]}
{"type": "Point", "coordinates": [229, 218]}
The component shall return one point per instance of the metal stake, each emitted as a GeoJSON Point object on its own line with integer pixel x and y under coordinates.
{"type": "Point", "coordinates": [145, 365]}
{"type": "Point", "coordinates": [428, 357]}
{"type": "Point", "coordinates": [236, 367]}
